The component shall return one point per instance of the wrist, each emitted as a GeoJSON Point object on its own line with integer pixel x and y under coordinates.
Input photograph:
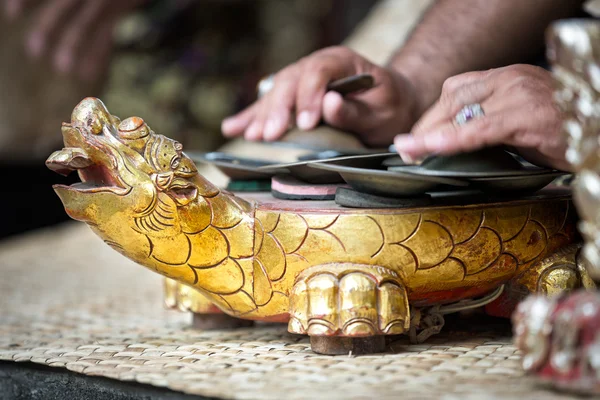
{"type": "Point", "coordinates": [409, 104]}
{"type": "Point", "coordinates": [424, 83]}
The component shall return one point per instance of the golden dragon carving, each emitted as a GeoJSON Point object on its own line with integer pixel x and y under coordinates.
{"type": "Point", "coordinates": [329, 270]}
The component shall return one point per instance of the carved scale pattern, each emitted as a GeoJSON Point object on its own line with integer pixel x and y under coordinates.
{"type": "Point", "coordinates": [441, 255]}
{"type": "Point", "coordinates": [435, 251]}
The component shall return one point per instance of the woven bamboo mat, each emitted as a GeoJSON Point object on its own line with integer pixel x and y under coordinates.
{"type": "Point", "coordinates": [67, 300]}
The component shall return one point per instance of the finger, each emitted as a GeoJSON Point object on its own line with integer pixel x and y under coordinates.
{"type": "Point", "coordinates": [14, 8]}
{"type": "Point", "coordinates": [409, 147]}
{"type": "Point", "coordinates": [345, 113]}
{"type": "Point", "coordinates": [273, 118]}
{"type": "Point", "coordinates": [317, 74]}
{"type": "Point", "coordinates": [237, 124]}
{"type": "Point", "coordinates": [450, 138]}
{"type": "Point", "coordinates": [75, 34]}
{"type": "Point", "coordinates": [94, 61]}
{"type": "Point", "coordinates": [277, 123]}
{"type": "Point", "coordinates": [254, 131]}
{"type": "Point", "coordinates": [453, 99]}
{"type": "Point", "coordinates": [48, 18]}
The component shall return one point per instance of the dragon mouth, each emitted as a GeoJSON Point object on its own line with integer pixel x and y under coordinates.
{"type": "Point", "coordinates": [95, 177]}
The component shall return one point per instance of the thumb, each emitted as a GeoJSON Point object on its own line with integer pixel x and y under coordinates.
{"type": "Point", "coordinates": [345, 113]}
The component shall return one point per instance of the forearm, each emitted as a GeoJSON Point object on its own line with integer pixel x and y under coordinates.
{"type": "Point", "coordinates": [457, 36]}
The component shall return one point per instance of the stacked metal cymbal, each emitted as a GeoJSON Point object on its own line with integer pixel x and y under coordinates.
{"type": "Point", "coordinates": [489, 171]}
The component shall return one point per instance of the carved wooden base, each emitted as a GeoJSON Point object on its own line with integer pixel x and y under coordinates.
{"type": "Point", "coordinates": [218, 322]}
{"type": "Point", "coordinates": [336, 345]}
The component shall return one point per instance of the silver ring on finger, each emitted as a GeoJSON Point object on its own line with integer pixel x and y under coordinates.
{"type": "Point", "coordinates": [468, 113]}
{"type": "Point", "coordinates": [265, 85]}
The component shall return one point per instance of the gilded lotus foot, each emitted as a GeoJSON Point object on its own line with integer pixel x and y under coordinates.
{"type": "Point", "coordinates": [563, 272]}
{"type": "Point", "coordinates": [560, 272]}
{"type": "Point", "coordinates": [348, 300]}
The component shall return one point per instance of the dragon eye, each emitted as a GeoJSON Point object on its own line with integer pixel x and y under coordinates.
{"type": "Point", "coordinates": [175, 163]}
{"type": "Point", "coordinates": [95, 125]}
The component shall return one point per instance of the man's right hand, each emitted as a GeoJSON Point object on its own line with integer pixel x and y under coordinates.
{"type": "Point", "coordinates": [376, 115]}
{"type": "Point", "coordinates": [76, 34]}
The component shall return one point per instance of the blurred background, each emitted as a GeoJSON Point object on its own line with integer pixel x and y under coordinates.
{"type": "Point", "coordinates": [182, 65]}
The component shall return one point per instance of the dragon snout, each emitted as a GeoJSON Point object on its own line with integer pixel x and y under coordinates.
{"type": "Point", "coordinates": [72, 137]}
{"type": "Point", "coordinates": [91, 114]}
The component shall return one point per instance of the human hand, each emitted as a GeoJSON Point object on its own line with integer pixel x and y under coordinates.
{"type": "Point", "coordinates": [376, 115]}
{"type": "Point", "coordinates": [76, 34]}
{"type": "Point", "coordinates": [520, 111]}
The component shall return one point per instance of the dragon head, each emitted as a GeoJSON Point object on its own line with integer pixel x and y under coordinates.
{"type": "Point", "coordinates": [130, 176]}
